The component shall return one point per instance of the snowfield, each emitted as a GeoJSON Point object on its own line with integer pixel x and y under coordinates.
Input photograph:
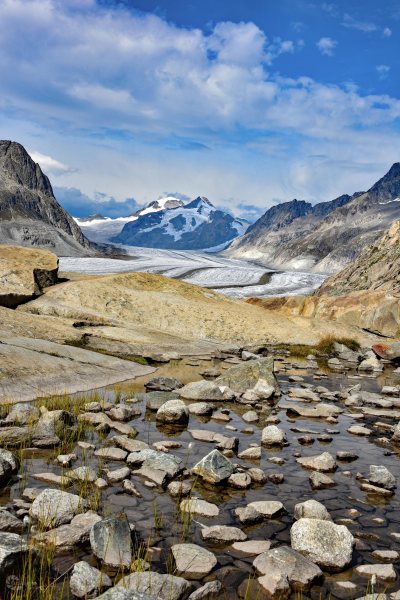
{"type": "Point", "coordinates": [235, 278]}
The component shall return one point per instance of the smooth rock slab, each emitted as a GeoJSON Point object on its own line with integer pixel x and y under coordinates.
{"type": "Point", "coordinates": [87, 582]}
{"type": "Point", "coordinates": [214, 467]}
{"type": "Point", "coordinates": [252, 547]}
{"type": "Point", "coordinates": [157, 585]}
{"type": "Point", "coordinates": [110, 540]}
{"type": "Point", "coordinates": [192, 561]}
{"type": "Point", "coordinates": [52, 508]}
{"type": "Point", "coordinates": [286, 562]}
{"type": "Point", "coordinates": [328, 545]}
{"type": "Point", "coordinates": [222, 535]}
{"type": "Point", "coordinates": [324, 463]}
{"type": "Point", "coordinates": [197, 506]}
{"type": "Point", "coordinates": [111, 453]}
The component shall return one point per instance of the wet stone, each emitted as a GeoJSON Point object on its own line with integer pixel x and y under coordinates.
{"type": "Point", "coordinates": [240, 481]}
{"type": "Point", "coordinates": [192, 561]}
{"type": "Point", "coordinates": [311, 509]}
{"type": "Point", "coordinates": [319, 481]}
{"type": "Point", "coordinates": [301, 573]}
{"type": "Point", "coordinates": [323, 462]}
{"type": "Point", "coordinates": [214, 468]}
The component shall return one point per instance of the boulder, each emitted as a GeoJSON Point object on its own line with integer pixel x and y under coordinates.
{"type": "Point", "coordinates": [323, 463]}
{"type": "Point", "coordinates": [163, 384]}
{"type": "Point", "coordinates": [13, 549]}
{"type": "Point", "coordinates": [245, 376]}
{"type": "Point", "coordinates": [192, 561]}
{"type": "Point", "coordinates": [22, 413]}
{"type": "Point", "coordinates": [157, 585]}
{"type": "Point", "coordinates": [110, 540]}
{"type": "Point", "coordinates": [52, 508]}
{"type": "Point", "coordinates": [173, 411]}
{"type": "Point", "coordinates": [86, 581]}
{"type": "Point", "coordinates": [382, 477]}
{"type": "Point", "coordinates": [311, 509]}
{"type": "Point", "coordinates": [300, 572]}
{"type": "Point", "coordinates": [206, 390]}
{"type": "Point", "coordinates": [169, 463]}
{"type": "Point", "coordinates": [154, 400]}
{"type": "Point", "coordinates": [273, 436]}
{"type": "Point", "coordinates": [214, 468]}
{"type": "Point", "coordinates": [328, 545]}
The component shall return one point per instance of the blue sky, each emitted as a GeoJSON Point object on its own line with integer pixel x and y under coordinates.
{"type": "Point", "coordinates": [249, 103]}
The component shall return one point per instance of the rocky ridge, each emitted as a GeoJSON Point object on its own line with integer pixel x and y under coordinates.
{"type": "Point", "coordinates": [326, 237]}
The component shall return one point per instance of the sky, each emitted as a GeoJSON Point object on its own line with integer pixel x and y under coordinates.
{"type": "Point", "coordinates": [248, 102]}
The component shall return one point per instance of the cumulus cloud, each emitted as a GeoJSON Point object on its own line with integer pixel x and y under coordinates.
{"type": "Point", "coordinates": [326, 46]}
{"type": "Point", "coordinates": [49, 164]}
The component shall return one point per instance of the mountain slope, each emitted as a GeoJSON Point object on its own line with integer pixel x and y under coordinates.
{"type": "Point", "coordinates": [193, 226]}
{"type": "Point", "coordinates": [29, 213]}
{"type": "Point", "coordinates": [376, 268]}
{"type": "Point", "coordinates": [326, 237]}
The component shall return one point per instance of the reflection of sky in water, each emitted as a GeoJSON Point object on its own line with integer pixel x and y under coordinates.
{"type": "Point", "coordinates": [232, 277]}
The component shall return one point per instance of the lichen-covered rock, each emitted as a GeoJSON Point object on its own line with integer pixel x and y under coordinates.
{"type": "Point", "coordinates": [328, 545]}
{"type": "Point", "coordinates": [52, 508]}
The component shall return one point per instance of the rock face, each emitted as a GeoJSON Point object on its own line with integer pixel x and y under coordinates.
{"type": "Point", "coordinates": [328, 545]}
{"type": "Point", "coordinates": [193, 226]}
{"type": "Point", "coordinates": [24, 272]}
{"type": "Point", "coordinates": [324, 237]}
{"type": "Point", "coordinates": [29, 213]}
{"type": "Point", "coordinates": [376, 268]}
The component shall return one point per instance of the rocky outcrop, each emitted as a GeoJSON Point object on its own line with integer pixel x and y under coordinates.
{"type": "Point", "coordinates": [326, 237]}
{"type": "Point", "coordinates": [24, 273]}
{"type": "Point", "coordinates": [376, 268]}
{"type": "Point", "coordinates": [29, 213]}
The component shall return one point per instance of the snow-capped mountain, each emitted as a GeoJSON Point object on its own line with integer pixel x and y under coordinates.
{"type": "Point", "coordinates": [193, 226]}
{"type": "Point", "coordinates": [167, 223]}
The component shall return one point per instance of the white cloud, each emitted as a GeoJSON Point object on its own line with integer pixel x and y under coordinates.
{"type": "Point", "coordinates": [326, 46]}
{"type": "Point", "coordinates": [49, 164]}
{"type": "Point", "coordinates": [352, 23]}
{"type": "Point", "coordinates": [387, 32]}
{"type": "Point", "coordinates": [383, 71]}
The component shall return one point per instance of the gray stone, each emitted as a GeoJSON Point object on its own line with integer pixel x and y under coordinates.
{"type": "Point", "coordinates": [323, 463]}
{"type": "Point", "coordinates": [201, 408]}
{"type": "Point", "coordinates": [10, 523]}
{"type": "Point", "coordinates": [118, 475]}
{"type": "Point", "coordinates": [130, 488]}
{"type": "Point", "coordinates": [206, 390]}
{"type": "Point", "coordinates": [152, 459]}
{"type": "Point", "coordinates": [156, 399]}
{"type": "Point", "coordinates": [13, 549]}
{"type": "Point", "coordinates": [123, 594]}
{"type": "Point", "coordinates": [173, 411]}
{"type": "Point", "coordinates": [273, 436]}
{"type": "Point", "coordinates": [311, 509]}
{"type": "Point", "coordinates": [67, 536]}
{"type": "Point", "coordinates": [319, 481]}
{"type": "Point", "coordinates": [214, 468]}
{"type": "Point", "coordinates": [163, 384]}
{"type": "Point", "coordinates": [269, 509]}
{"type": "Point", "coordinates": [386, 556]}
{"type": "Point", "coordinates": [159, 586]}
{"type": "Point", "coordinates": [240, 481]}
{"type": "Point", "coordinates": [128, 444]}
{"type": "Point", "coordinates": [252, 547]}
{"type": "Point", "coordinates": [179, 488]}
{"type": "Point", "coordinates": [382, 477]}
{"type": "Point", "coordinates": [250, 416]}
{"type": "Point", "coordinates": [84, 474]}
{"type": "Point", "coordinates": [253, 453]}
{"type": "Point", "coordinates": [52, 508]}
{"type": "Point", "coordinates": [23, 413]}
{"type": "Point", "coordinates": [196, 506]}
{"type": "Point", "coordinates": [384, 573]}
{"type": "Point", "coordinates": [9, 465]}
{"type": "Point", "coordinates": [111, 453]}
{"type": "Point", "coordinates": [300, 572]}
{"type": "Point", "coordinates": [328, 545]}
{"type": "Point", "coordinates": [359, 430]}
{"type": "Point", "coordinates": [209, 591]}
{"type": "Point", "coordinates": [87, 582]}
{"type": "Point", "coordinates": [122, 412]}
{"type": "Point", "coordinates": [245, 376]}
{"type": "Point", "coordinates": [248, 515]}
{"type": "Point", "coordinates": [110, 540]}
{"type": "Point", "coordinates": [192, 561]}
{"type": "Point", "coordinates": [66, 460]}
{"type": "Point", "coordinates": [221, 535]}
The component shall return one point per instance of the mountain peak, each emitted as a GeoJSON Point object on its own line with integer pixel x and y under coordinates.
{"type": "Point", "coordinates": [198, 202]}
{"type": "Point", "coordinates": [388, 187]}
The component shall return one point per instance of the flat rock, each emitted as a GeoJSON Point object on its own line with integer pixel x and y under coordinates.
{"type": "Point", "coordinates": [328, 545]}
{"type": "Point", "coordinates": [118, 475]}
{"type": "Point", "coordinates": [319, 481]}
{"type": "Point", "coordinates": [192, 561]}
{"type": "Point", "coordinates": [382, 572]}
{"type": "Point", "coordinates": [252, 453]}
{"type": "Point", "coordinates": [66, 537]}
{"type": "Point", "coordinates": [163, 384]}
{"type": "Point", "coordinates": [359, 430]}
{"type": "Point", "coordinates": [111, 453]}
{"type": "Point", "coordinates": [152, 459]}
{"type": "Point", "coordinates": [200, 507]}
{"type": "Point", "coordinates": [128, 444]}
{"type": "Point", "coordinates": [269, 509]}
{"type": "Point", "coordinates": [157, 585]}
{"type": "Point", "coordinates": [323, 463]}
{"type": "Point", "coordinates": [222, 535]}
{"type": "Point", "coordinates": [252, 547]}
{"type": "Point", "coordinates": [240, 481]}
